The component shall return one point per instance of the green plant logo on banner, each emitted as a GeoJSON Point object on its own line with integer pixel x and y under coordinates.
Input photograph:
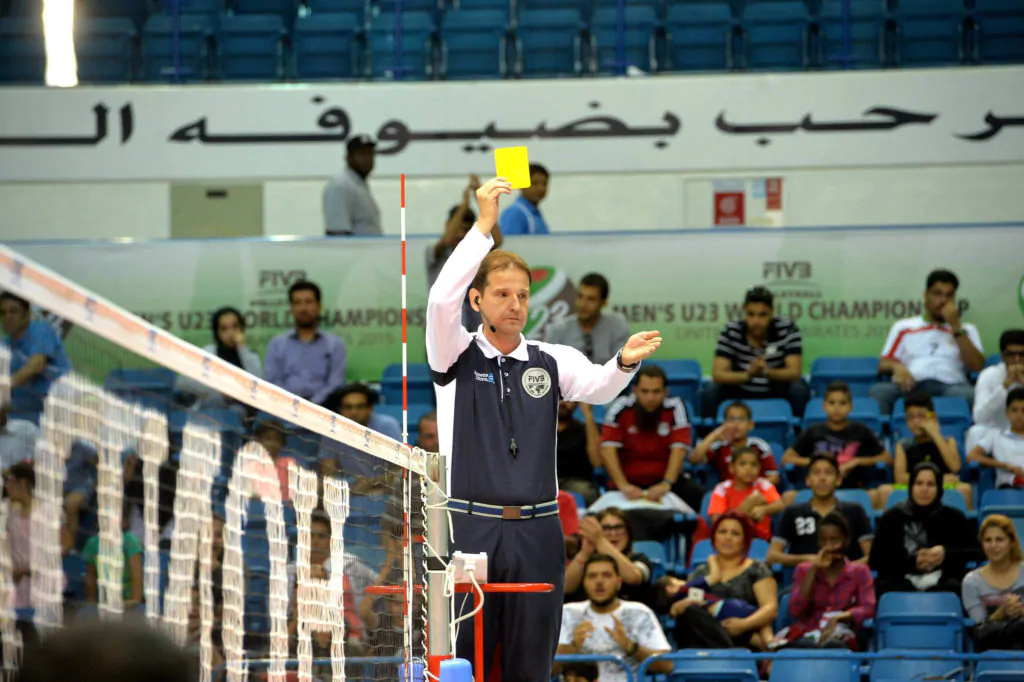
{"type": "Point", "coordinates": [552, 298]}
{"type": "Point", "coordinates": [1020, 295]}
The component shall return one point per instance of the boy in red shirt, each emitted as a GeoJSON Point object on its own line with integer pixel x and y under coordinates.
{"type": "Point", "coordinates": [734, 433]}
{"type": "Point", "coordinates": [747, 493]}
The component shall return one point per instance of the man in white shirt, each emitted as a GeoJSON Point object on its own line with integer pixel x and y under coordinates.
{"type": "Point", "coordinates": [592, 332]}
{"type": "Point", "coordinates": [932, 353]}
{"type": "Point", "coordinates": [605, 624]}
{"type": "Point", "coordinates": [994, 383]}
{"type": "Point", "coordinates": [349, 208]}
{"type": "Point", "coordinates": [1004, 450]}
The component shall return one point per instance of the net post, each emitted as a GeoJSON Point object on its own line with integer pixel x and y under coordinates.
{"type": "Point", "coordinates": [439, 644]}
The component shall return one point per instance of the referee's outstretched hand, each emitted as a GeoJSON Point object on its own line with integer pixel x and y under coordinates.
{"type": "Point", "coordinates": [487, 198]}
{"type": "Point", "coordinates": [640, 346]}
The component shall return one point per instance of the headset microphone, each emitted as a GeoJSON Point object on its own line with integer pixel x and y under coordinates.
{"type": "Point", "coordinates": [493, 328]}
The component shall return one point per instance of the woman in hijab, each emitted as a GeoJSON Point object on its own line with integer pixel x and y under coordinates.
{"type": "Point", "coordinates": [920, 544]}
{"type": "Point", "coordinates": [229, 345]}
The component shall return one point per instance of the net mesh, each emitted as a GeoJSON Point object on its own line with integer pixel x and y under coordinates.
{"type": "Point", "coordinates": [174, 487]}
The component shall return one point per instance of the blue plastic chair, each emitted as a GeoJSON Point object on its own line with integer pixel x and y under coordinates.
{"type": "Point", "coordinates": [954, 415]}
{"type": "Point", "coordinates": [638, 36]}
{"type": "Point", "coordinates": [684, 377]}
{"type": "Point", "coordinates": [358, 8]}
{"type": "Point", "coordinates": [1008, 502]}
{"type": "Point", "coordinates": [700, 36]}
{"type": "Point", "coordinates": [283, 8]}
{"type": "Point", "coordinates": [813, 665]}
{"type": "Point", "coordinates": [475, 44]}
{"type": "Point", "coordinates": [701, 551]}
{"type": "Point", "coordinates": [74, 571]}
{"type": "Point", "coordinates": [655, 551]}
{"type": "Point", "coordinates": [773, 419]}
{"type": "Point", "coordinates": [901, 670]}
{"type": "Point", "coordinates": [930, 32]}
{"type": "Point", "coordinates": [327, 46]}
{"type": "Point", "coordinates": [783, 617]}
{"type": "Point", "coordinates": [418, 42]}
{"type": "Point", "coordinates": [158, 48]}
{"type": "Point", "coordinates": [421, 386]}
{"type": "Point", "coordinates": [776, 35]}
{"type": "Point", "coordinates": [919, 620]}
{"type": "Point", "coordinates": [548, 43]}
{"type": "Point", "coordinates": [865, 410]}
{"type": "Point", "coordinates": [729, 665]}
{"type": "Point", "coordinates": [860, 373]}
{"type": "Point", "coordinates": [866, 51]}
{"type": "Point", "coordinates": [999, 671]}
{"type": "Point", "coordinates": [950, 498]}
{"type": "Point", "coordinates": [1000, 31]}
{"type": "Point", "coordinates": [250, 47]}
{"type": "Point", "coordinates": [103, 48]}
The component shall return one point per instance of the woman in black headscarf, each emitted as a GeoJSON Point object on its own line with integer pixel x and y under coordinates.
{"type": "Point", "coordinates": [229, 345]}
{"type": "Point", "coordinates": [920, 544]}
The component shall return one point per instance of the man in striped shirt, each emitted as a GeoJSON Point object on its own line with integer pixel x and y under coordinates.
{"type": "Point", "coordinates": [760, 356]}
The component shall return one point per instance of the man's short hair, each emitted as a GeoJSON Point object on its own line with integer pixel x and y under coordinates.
{"type": "Point", "coordinates": [468, 217]}
{"type": "Point", "coordinates": [320, 515]}
{"type": "Point", "coordinates": [8, 296]}
{"type": "Point", "coordinates": [265, 425]}
{"type": "Point", "coordinates": [593, 279]}
{"type": "Point", "coordinates": [1011, 337]}
{"type": "Point", "coordinates": [823, 456]}
{"type": "Point", "coordinates": [537, 168]}
{"type": "Point", "coordinates": [918, 399]}
{"type": "Point", "coordinates": [836, 520]}
{"type": "Point", "coordinates": [944, 276]}
{"type": "Point", "coordinates": [759, 294]}
{"type": "Point", "coordinates": [746, 451]}
{"type": "Point", "coordinates": [304, 285]}
{"type": "Point", "coordinates": [23, 471]}
{"type": "Point", "coordinates": [428, 417]}
{"type": "Point", "coordinates": [499, 260]}
{"type": "Point", "coordinates": [1014, 395]}
{"type": "Point", "coordinates": [333, 401]}
{"type": "Point", "coordinates": [839, 386]}
{"type": "Point", "coordinates": [739, 405]}
{"type": "Point", "coordinates": [653, 371]}
{"type": "Point", "coordinates": [598, 558]}
{"type": "Point", "coordinates": [587, 671]}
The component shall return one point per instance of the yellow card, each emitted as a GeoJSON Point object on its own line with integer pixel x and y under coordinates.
{"type": "Point", "coordinates": [512, 164]}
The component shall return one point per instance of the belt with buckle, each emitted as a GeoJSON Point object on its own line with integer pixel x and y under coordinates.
{"type": "Point", "coordinates": [497, 511]}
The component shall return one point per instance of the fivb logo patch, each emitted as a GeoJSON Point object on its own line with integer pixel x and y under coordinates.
{"type": "Point", "coordinates": [486, 377]}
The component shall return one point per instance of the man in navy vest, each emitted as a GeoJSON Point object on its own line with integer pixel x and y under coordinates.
{"type": "Point", "coordinates": [497, 416]}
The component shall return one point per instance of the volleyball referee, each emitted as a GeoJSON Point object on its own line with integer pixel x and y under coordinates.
{"type": "Point", "coordinates": [497, 409]}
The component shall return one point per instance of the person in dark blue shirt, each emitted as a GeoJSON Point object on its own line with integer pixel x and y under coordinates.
{"type": "Point", "coordinates": [37, 356]}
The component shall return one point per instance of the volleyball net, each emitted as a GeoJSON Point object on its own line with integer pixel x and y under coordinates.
{"type": "Point", "coordinates": [171, 485]}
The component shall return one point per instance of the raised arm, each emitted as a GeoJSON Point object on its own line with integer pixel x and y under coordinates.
{"type": "Point", "coordinates": [579, 379]}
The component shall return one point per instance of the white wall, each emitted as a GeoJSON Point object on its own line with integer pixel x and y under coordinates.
{"type": "Point", "coordinates": [648, 201]}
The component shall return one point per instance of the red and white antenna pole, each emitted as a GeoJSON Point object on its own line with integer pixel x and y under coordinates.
{"type": "Point", "coordinates": [405, 338]}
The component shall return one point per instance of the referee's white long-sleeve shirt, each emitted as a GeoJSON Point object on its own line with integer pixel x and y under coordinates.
{"type": "Point", "coordinates": [485, 399]}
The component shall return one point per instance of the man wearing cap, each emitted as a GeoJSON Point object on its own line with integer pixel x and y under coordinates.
{"type": "Point", "coordinates": [349, 208]}
{"type": "Point", "coordinates": [760, 356]}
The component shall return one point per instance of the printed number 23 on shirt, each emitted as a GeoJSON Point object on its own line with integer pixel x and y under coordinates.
{"type": "Point", "coordinates": [513, 164]}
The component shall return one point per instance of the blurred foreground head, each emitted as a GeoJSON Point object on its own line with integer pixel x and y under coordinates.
{"type": "Point", "coordinates": [104, 652]}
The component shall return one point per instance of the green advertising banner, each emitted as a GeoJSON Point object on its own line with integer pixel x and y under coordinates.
{"type": "Point", "coordinates": [844, 287]}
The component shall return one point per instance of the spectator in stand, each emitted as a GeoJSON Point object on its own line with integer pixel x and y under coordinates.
{"type": "Point", "coordinates": [523, 216]}
{"type": "Point", "coordinates": [37, 356]}
{"type": "Point", "coordinates": [348, 206]}
{"type": "Point", "coordinates": [19, 484]}
{"type": "Point", "coordinates": [927, 444]}
{"type": "Point", "coordinates": [591, 331]}
{"type": "Point", "coordinates": [229, 345]}
{"type": "Point", "coordinates": [832, 596]}
{"type": "Point", "coordinates": [609, 533]}
{"type": "Point", "coordinates": [579, 450]}
{"type": "Point", "coordinates": [131, 573]}
{"type": "Point", "coordinates": [733, 434]}
{"type": "Point", "coordinates": [1004, 451]}
{"type": "Point", "coordinates": [644, 441]}
{"type": "Point", "coordinates": [579, 672]}
{"type": "Point", "coordinates": [854, 445]}
{"type": "Point", "coordinates": [729, 574]}
{"type": "Point", "coordinates": [758, 357]}
{"type": "Point", "coordinates": [993, 385]}
{"type": "Point", "coordinates": [17, 439]}
{"type": "Point", "coordinates": [193, 638]}
{"type": "Point", "coordinates": [747, 493]}
{"type": "Point", "coordinates": [427, 427]}
{"type": "Point", "coordinates": [306, 361]}
{"type": "Point", "coordinates": [920, 544]}
{"type": "Point", "coordinates": [606, 624]}
{"type": "Point", "coordinates": [993, 595]}
{"type": "Point", "coordinates": [796, 539]}
{"type": "Point", "coordinates": [933, 352]}
{"type": "Point", "coordinates": [460, 221]}
{"type": "Point", "coordinates": [270, 434]}
{"type": "Point", "coordinates": [356, 402]}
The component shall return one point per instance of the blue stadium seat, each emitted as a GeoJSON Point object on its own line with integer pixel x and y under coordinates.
{"type": "Point", "coordinates": [865, 410]}
{"type": "Point", "coordinates": [701, 551]}
{"type": "Point", "coordinates": [999, 671]}
{"type": "Point", "coordinates": [684, 377]}
{"type": "Point", "coordinates": [74, 572]}
{"type": "Point", "coordinates": [136, 10]}
{"type": "Point", "coordinates": [954, 415]}
{"type": "Point", "coordinates": [284, 8]}
{"type": "Point", "coordinates": [1007, 502]}
{"type": "Point", "coordinates": [22, 52]}
{"type": "Point", "coordinates": [503, 5]}
{"type": "Point", "coordinates": [250, 46]}
{"type": "Point", "coordinates": [893, 669]}
{"type": "Point", "coordinates": [860, 373]}
{"type": "Point", "coordinates": [1000, 31]}
{"type": "Point", "coordinates": [580, 6]}
{"type": "Point", "coordinates": [475, 44]}
{"type": "Point", "coordinates": [104, 49]}
{"type": "Point", "coordinates": [724, 665]}
{"type": "Point", "coordinates": [357, 8]}
{"type": "Point", "coordinates": [153, 387]}
{"type": "Point", "coordinates": [418, 43]}
{"type": "Point", "coordinates": [930, 32]}
{"type": "Point", "coordinates": [950, 498]}
{"type": "Point", "coordinates": [421, 386]}
{"type": "Point", "coordinates": [655, 551]}
{"type": "Point", "coordinates": [919, 620]}
{"type": "Point", "coordinates": [866, 51]}
{"type": "Point", "coordinates": [638, 38]}
{"type": "Point", "coordinates": [209, 8]}
{"type": "Point", "coordinates": [814, 665]}
{"type": "Point", "coordinates": [993, 359]}
{"type": "Point", "coordinates": [700, 36]}
{"type": "Point", "coordinates": [416, 410]}
{"type": "Point", "coordinates": [783, 618]}
{"type": "Point", "coordinates": [327, 47]}
{"type": "Point", "coordinates": [548, 43]}
{"type": "Point", "coordinates": [158, 48]}
{"type": "Point", "coordinates": [773, 418]}
{"type": "Point", "coordinates": [776, 35]}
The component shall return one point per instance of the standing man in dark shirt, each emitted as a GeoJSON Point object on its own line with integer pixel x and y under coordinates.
{"type": "Point", "coordinates": [760, 356]}
{"type": "Point", "coordinates": [497, 411]}
{"type": "Point", "coordinates": [579, 450]}
{"type": "Point", "coordinates": [796, 539]}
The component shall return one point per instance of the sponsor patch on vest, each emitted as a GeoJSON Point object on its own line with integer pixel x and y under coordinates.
{"type": "Point", "coordinates": [487, 377]}
{"type": "Point", "coordinates": [537, 382]}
